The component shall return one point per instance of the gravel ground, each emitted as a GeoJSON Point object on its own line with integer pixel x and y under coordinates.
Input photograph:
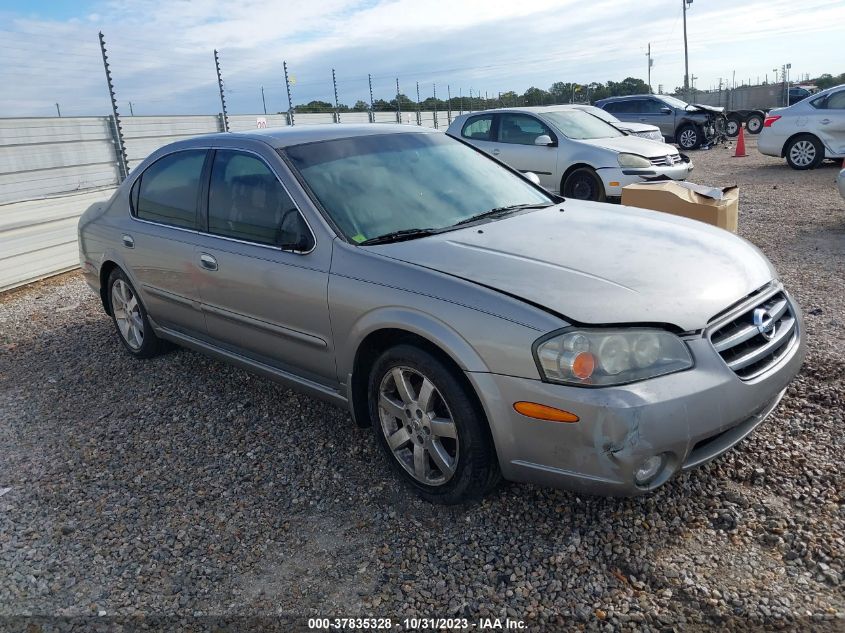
{"type": "Point", "coordinates": [180, 488]}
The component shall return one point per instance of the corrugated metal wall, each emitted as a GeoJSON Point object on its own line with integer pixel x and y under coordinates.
{"type": "Point", "coordinates": [52, 169]}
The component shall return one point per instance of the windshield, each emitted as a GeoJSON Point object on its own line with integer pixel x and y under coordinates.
{"type": "Point", "coordinates": [375, 185]}
{"type": "Point", "coordinates": [675, 103]}
{"type": "Point", "coordinates": [578, 125]}
{"type": "Point", "coordinates": [604, 115]}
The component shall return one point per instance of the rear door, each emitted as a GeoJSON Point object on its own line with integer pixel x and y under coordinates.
{"type": "Point", "coordinates": [827, 120]}
{"type": "Point", "coordinates": [479, 131]}
{"type": "Point", "coordinates": [158, 246]}
{"type": "Point", "coordinates": [516, 134]}
{"type": "Point", "coordinates": [263, 277]}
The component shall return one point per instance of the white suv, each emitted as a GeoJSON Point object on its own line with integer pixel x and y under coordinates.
{"type": "Point", "coordinates": [807, 132]}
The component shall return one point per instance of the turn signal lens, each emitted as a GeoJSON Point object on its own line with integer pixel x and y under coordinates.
{"type": "Point", "coordinates": [583, 365]}
{"type": "Point", "coordinates": [770, 119]}
{"type": "Point", "coordinates": [543, 412]}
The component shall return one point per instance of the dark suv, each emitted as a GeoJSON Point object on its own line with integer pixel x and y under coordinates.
{"type": "Point", "coordinates": [690, 126]}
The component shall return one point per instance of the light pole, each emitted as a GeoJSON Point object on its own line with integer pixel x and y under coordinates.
{"type": "Point", "coordinates": [685, 4]}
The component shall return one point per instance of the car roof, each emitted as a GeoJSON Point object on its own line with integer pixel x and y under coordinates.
{"type": "Point", "coordinates": [535, 109]}
{"type": "Point", "coordinates": [623, 97]}
{"type": "Point", "coordinates": [299, 134]}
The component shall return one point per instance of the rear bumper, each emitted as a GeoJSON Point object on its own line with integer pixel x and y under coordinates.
{"type": "Point", "coordinates": [614, 178]}
{"type": "Point", "coordinates": [689, 417]}
{"type": "Point", "coordinates": [769, 143]}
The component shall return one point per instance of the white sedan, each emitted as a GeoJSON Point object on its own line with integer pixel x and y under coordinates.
{"type": "Point", "coordinates": [572, 152]}
{"type": "Point", "coordinates": [807, 132]}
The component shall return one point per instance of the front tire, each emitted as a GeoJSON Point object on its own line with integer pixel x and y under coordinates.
{"type": "Point", "coordinates": [804, 151]}
{"type": "Point", "coordinates": [130, 318]}
{"type": "Point", "coordinates": [689, 137]}
{"type": "Point", "coordinates": [430, 426]}
{"type": "Point", "coordinates": [583, 184]}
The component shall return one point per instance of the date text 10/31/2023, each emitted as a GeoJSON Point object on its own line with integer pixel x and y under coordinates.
{"type": "Point", "coordinates": [416, 624]}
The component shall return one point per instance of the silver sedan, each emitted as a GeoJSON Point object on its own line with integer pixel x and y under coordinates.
{"type": "Point", "coordinates": [483, 327]}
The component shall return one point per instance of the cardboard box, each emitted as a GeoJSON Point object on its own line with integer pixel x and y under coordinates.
{"type": "Point", "coordinates": [714, 205]}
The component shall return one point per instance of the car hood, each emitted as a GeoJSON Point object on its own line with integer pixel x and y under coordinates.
{"type": "Point", "coordinates": [708, 108]}
{"type": "Point", "coordinates": [636, 127]}
{"type": "Point", "coordinates": [633, 145]}
{"type": "Point", "coordinates": [595, 263]}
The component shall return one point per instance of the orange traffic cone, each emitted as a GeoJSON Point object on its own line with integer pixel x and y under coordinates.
{"type": "Point", "coordinates": [740, 144]}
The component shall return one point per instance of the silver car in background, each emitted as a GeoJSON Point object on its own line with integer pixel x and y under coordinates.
{"type": "Point", "coordinates": [483, 327]}
{"type": "Point", "coordinates": [572, 152]}
{"type": "Point", "coordinates": [807, 132]}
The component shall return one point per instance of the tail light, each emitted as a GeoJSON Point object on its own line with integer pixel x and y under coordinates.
{"type": "Point", "coordinates": [770, 119]}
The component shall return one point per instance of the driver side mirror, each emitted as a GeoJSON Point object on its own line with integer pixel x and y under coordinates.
{"type": "Point", "coordinates": [666, 110]}
{"type": "Point", "coordinates": [544, 139]}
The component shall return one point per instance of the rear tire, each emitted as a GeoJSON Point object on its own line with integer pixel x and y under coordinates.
{"type": "Point", "coordinates": [804, 151]}
{"type": "Point", "coordinates": [130, 318]}
{"type": "Point", "coordinates": [689, 137]}
{"type": "Point", "coordinates": [754, 123]}
{"type": "Point", "coordinates": [583, 184]}
{"type": "Point", "coordinates": [430, 426]}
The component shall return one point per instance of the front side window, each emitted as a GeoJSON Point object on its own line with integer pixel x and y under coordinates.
{"type": "Point", "coordinates": [374, 185]}
{"type": "Point", "coordinates": [651, 106]}
{"type": "Point", "coordinates": [478, 128]}
{"type": "Point", "coordinates": [578, 125]}
{"type": "Point", "coordinates": [247, 202]}
{"type": "Point", "coordinates": [521, 129]}
{"type": "Point", "coordinates": [168, 190]}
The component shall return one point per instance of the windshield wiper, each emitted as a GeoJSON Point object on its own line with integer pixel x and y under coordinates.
{"type": "Point", "coordinates": [501, 211]}
{"type": "Point", "coordinates": [398, 236]}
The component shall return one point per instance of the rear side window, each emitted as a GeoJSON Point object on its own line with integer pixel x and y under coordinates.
{"type": "Point", "coordinates": [478, 128]}
{"type": "Point", "coordinates": [167, 191]}
{"type": "Point", "coordinates": [247, 202]}
{"type": "Point", "coordinates": [836, 101]}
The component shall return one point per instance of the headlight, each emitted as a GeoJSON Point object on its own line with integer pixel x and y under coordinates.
{"type": "Point", "coordinates": [632, 160]}
{"type": "Point", "coordinates": [602, 357]}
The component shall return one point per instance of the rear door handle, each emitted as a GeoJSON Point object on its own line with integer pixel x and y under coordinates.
{"type": "Point", "coordinates": [496, 152]}
{"type": "Point", "coordinates": [824, 121]}
{"type": "Point", "coordinates": [208, 262]}
{"type": "Point", "coordinates": [128, 242]}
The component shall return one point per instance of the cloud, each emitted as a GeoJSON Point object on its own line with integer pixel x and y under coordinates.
{"type": "Point", "coordinates": [161, 50]}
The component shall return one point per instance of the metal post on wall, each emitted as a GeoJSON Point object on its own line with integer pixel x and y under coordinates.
{"type": "Point", "coordinates": [434, 91]}
{"type": "Point", "coordinates": [449, 104]}
{"type": "Point", "coordinates": [263, 102]}
{"type": "Point", "coordinates": [336, 103]}
{"type": "Point", "coordinates": [372, 104]}
{"type": "Point", "coordinates": [287, 86]}
{"type": "Point", "coordinates": [58, 110]}
{"type": "Point", "coordinates": [419, 113]}
{"type": "Point", "coordinates": [398, 103]}
{"type": "Point", "coordinates": [225, 116]}
{"type": "Point", "coordinates": [117, 129]}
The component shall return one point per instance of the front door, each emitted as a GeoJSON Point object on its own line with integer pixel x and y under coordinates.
{"type": "Point", "coordinates": [158, 243]}
{"type": "Point", "coordinates": [516, 147]}
{"type": "Point", "coordinates": [264, 280]}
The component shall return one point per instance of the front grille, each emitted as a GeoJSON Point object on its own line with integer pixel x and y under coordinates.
{"type": "Point", "coordinates": [758, 337]}
{"type": "Point", "coordinates": [667, 161]}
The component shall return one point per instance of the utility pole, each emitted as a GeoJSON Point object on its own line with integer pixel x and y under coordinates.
{"type": "Point", "coordinates": [336, 103]}
{"type": "Point", "coordinates": [263, 102]}
{"type": "Point", "coordinates": [58, 111]}
{"type": "Point", "coordinates": [650, 64]}
{"type": "Point", "coordinates": [287, 86]}
{"type": "Point", "coordinates": [684, 4]}
{"type": "Point", "coordinates": [222, 96]}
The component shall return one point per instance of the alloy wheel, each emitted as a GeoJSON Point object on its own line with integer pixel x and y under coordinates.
{"type": "Point", "coordinates": [127, 314]}
{"type": "Point", "coordinates": [802, 153]}
{"type": "Point", "coordinates": [418, 426]}
{"type": "Point", "coordinates": [688, 139]}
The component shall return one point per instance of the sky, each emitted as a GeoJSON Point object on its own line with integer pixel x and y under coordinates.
{"type": "Point", "coordinates": [161, 51]}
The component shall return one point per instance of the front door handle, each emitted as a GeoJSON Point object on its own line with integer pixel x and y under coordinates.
{"type": "Point", "coordinates": [496, 152]}
{"type": "Point", "coordinates": [824, 121]}
{"type": "Point", "coordinates": [208, 262]}
{"type": "Point", "coordinates": [128, 242]}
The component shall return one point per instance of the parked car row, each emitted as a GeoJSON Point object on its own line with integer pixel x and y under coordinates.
{"type": "Point", "coordinates": [484, 327]}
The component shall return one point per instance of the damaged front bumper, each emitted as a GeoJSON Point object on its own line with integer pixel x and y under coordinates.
{"type": "Point", "coordinates": [687, 418]}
